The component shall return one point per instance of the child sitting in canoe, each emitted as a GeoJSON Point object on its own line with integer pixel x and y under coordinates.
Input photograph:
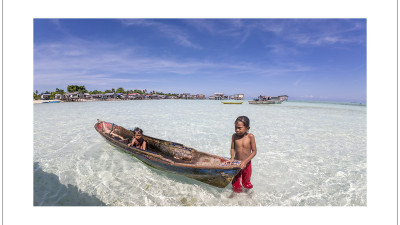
{"type": "Point", "coordinates": [243, 148]}
{"type": "Point", "coordinates": [111, 132]}
{"type": "Point", "coordinates": [137, 140]}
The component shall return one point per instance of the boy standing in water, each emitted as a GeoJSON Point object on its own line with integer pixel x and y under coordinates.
{"type": "Point", "coordinates": [243, 148]}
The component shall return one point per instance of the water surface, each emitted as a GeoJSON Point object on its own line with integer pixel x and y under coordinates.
{"type": "Point", "coordinates": [309, 154]}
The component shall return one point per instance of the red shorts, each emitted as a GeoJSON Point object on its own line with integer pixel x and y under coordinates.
{"type": "Point", "coordinates": [245, 175]}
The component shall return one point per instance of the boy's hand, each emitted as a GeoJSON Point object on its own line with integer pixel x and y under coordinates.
{"type": "Point", "coordinates": [243, 164]}
{"type": "Point", "coordinates": [229, 162]}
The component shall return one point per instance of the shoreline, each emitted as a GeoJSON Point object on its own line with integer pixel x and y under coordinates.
{"type": "Point", "coordinates": [80, 100]}
{"type": "Point", "coordinates": [111, 100]}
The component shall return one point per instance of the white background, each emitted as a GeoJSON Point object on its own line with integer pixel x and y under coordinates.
{"type": "Point", "coordinates": [18, 111]}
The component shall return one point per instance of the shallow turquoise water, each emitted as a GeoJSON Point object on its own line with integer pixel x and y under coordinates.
{"type": "Point", "coordinates": [310, 154]}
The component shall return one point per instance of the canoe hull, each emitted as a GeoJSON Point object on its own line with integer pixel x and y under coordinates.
{"type": "Point", "coordinates": [215, 175]}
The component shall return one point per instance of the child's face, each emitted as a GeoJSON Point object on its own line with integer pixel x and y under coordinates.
{"type": "Point", "coordinates": [138, 136]}
{"type": "Point", "coordinates": [240, 129]}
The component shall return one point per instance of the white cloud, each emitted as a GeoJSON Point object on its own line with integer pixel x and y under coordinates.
{"type": "Point", "coordinates": [237, 29]}
{"type": "Point", "coordinates": [179, 36]}
{"type": "Point", "coordinates": [322, 32]}
{"type": "Point", "coordinates": [102, 63]}
{"type": "Point", "coordinates": [282, 50]}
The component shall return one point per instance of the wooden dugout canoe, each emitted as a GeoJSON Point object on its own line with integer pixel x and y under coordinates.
{"type": "Point", "coordinates": [174, 157]}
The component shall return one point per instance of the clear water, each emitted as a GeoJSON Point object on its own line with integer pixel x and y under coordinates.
{"type": "Point", "coordinates": [309, 154]}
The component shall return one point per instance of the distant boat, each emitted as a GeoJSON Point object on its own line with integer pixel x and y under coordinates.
{"type": "Point", "coordinates": [232, 102]}
{"type": "Point", "coordinates": [52, 102]}
{"type": "Point", "coordinates": [269, 100]}
{"type": "Point", "coordinates": [174, 157]}
{"type": "Point", "coordinates": [265, 102]}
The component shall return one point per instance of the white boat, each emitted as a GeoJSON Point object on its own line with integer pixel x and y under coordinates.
{"type": "Point", "coordinates": [269, 100]}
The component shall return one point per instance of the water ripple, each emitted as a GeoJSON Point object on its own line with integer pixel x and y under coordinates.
{"type": "Point", "coordinates": [308, 154]}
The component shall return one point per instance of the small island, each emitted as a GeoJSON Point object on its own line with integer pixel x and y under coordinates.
{"type": "Point", "coordinates": [77, 93]}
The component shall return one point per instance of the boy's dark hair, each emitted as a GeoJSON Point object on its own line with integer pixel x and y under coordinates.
{"type": "Point", "coordinates": [138, 130]}
{"type": "Point", "coordinates": [245, 120]}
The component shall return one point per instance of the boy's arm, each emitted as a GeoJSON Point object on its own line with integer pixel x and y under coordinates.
{"type": "Point", "coordinates": [253, 150]}
{"type": "Point", "coordinates": [117, 135]}
{"type": "Point", "coordinates": [132, 142]}
{"type": "Point", "coordinates": [232, 149]}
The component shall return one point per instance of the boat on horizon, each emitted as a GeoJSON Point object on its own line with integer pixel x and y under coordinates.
{"type": "Point", "coordinates": [269, 99]}
{"type": "Point", "coordinates": [52, 101]}
{"type": "Point", "coordinates": [174, 157]}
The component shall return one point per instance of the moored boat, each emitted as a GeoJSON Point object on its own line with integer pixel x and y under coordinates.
{"type": "Point", "coordinates": [269, 100]}
{"type": "Point", "coordinates": [265, 102]}
{"type": "Point", "coordinates": [52, 101]}
{"type": "Point", "coordinates": [174, 157]}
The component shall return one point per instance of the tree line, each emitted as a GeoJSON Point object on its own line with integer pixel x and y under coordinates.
{"type": "Point", "coordinates": [82, 89]}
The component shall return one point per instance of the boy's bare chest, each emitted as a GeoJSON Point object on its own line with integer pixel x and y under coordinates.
{"type": "Point", "coordinates": [242, 142]}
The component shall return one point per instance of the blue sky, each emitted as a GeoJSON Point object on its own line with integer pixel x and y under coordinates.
{"type": "Point", "coordinates": [306, 59]}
